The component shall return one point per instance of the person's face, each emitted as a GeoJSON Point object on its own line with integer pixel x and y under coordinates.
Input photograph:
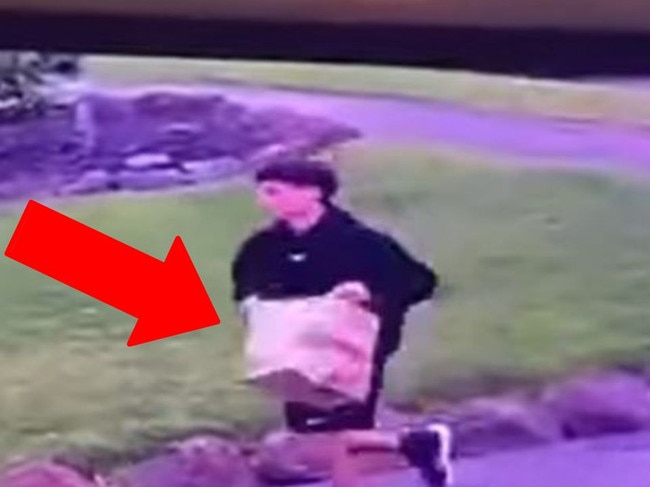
{"type": "Point", "coordinates": [285, 200]}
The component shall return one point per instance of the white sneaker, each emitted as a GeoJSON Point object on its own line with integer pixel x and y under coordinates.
{"type": "Point", "coordinates": [429, 450]}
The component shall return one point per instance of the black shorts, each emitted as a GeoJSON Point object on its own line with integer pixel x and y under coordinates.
{"type": "Point", "coordinates": [304, 418]}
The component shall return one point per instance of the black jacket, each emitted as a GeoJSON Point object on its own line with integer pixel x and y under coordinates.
{"type": "Point", "coordinates": [276, 263]}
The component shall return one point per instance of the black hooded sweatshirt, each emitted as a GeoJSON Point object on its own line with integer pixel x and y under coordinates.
{"type": "Point", "coordinates": [276, 263]}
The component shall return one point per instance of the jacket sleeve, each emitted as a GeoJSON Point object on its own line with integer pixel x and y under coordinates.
{"type": "Point", "coordinates": [399, 280]}
{"type": "Point", "coordinates": [243, 272]}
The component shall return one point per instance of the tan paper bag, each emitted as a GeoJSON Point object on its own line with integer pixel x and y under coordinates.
{"type": "Point", "coordinates": [315, 350]}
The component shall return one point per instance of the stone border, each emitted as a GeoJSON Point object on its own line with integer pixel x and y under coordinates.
{"type": "Point", "coordinates": [596, 403]}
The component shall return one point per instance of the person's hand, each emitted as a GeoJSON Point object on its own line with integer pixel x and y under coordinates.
{"type": "Point", "coordinates": [354, 292]}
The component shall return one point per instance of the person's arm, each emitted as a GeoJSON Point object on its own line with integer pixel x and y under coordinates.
{"type": "Point", "coordinates": [398, 279]}
{"type": "Point", "coordinates": [243, 274]}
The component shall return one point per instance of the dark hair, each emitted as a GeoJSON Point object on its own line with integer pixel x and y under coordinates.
{"type": "Point", "coordinates": [301, 172]}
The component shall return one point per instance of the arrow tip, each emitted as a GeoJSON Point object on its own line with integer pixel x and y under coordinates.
{"type": "Point", "coordinates": [178, 303]}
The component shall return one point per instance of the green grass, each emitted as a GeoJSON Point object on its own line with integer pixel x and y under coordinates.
{"type": "Point", "coordinates": [490, 92]}
{"type": "Point", "coordinates": [543, 274]}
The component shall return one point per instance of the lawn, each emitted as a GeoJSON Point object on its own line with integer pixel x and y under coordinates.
{"type": "Point", "coordinates": [543, 273]}
{"type": "Point", "coordinates": [572, 100]}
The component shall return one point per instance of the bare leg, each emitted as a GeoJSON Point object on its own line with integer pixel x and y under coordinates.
{"type": "Point", "coordinates": [348, 456]}
{"type": "Point", "coordinates": [322, 452]}
{"type": "Point", "coordinates": [426, 449]}
{"type": "Point", "coordinates": [371, 440]}
{"type": "Point", "coordinates": [352, 448]}
{"type": "Point", "coordinates": [344, 469]}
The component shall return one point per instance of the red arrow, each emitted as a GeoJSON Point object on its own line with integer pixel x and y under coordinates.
{"type": "Point", "coordinates": [168, 298]}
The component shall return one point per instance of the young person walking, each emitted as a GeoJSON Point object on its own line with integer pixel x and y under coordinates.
{"type": "Point", "coordinates": [312, 248]}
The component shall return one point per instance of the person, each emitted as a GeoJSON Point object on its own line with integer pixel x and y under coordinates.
{"type": "Point", "coordinates": [313, 247]}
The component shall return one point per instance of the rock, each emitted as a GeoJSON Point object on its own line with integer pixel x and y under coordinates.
{"type": "Point", "coordinates": [92, 181]}
{"type": "Point", "coordinates": [486, 425]}
{"type": "Point", "coordinates": [600, 403]}
{"type": "Point", "coordinates": [212, 169]}
{"type": "Point", "coordinates": [181, 128]}
{"type": "Point", "coordinates": [151, 179]}
{"type": "Point", "coordinates": [147, 161]}
{"type": "Point", "coordinates": [287, 459]}
{"type": "Point", "coordinates": [43, 474]}
{"type": "Point", "coordinates": [197, 462]}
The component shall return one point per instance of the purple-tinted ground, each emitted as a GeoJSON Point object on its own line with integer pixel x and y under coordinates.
{"type": "Point", "coordinates": [533, 141]}
{"type": "Point", "coordinates": [607, 462]}
{"type": "Point", "coordinates": [189, 125]}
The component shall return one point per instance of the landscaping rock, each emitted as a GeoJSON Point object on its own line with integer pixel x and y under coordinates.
{"type": "Point", "coordinates": [151, 179]}
{"type": "Point", "coordinates": [43, 474]}
{"type": "Point", "coordinates": [197, 462]}
{"type": "Point", "coordinates": [212, 169]}
{"type": "Point", "coordinates": [182, 129]}
{"type": "Point", "coordinates": [147, 161]}
{"type": "Point", "coordinates": [495, 424]}
{"type": "Point", "coordinates": [600, 403]}
{"type": "Point", "coordinates": [288, 459]}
